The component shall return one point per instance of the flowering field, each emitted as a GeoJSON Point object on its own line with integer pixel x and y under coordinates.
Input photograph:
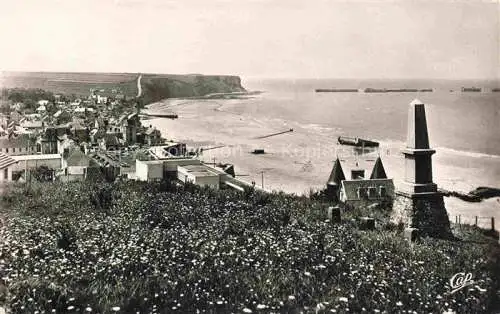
{"type": "Point", "coordinates": [134, 247]}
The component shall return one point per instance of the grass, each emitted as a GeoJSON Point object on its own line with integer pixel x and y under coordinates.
{"type": "Point", "coordinates": [131, 246]}
{"type": "Point", "coordinates": [155, 86]}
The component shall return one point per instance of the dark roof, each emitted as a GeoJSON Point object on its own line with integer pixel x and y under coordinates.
{"type": "Point", "coordinates": [337, 175]}
{"type": "Point", "coordinates": [6, 160]}
{"type": "Point", "coordinates": [22, 140]}
{"type": "Point", "coordinates": [378, 171]}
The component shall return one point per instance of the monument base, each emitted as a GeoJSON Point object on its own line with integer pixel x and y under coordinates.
{"type": "Point", "coordinates": [424, 211]}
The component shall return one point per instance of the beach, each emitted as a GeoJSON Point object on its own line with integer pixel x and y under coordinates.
{"type": "Point", "coordinates": [301, 161]}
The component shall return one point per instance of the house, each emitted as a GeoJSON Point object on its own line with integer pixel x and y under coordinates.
{"type": "Point", "coordinates": [43, 102]}
{"type": "Point", "coordinates": [32, 125]}
{"type": "Point", "coordinates": [63, 144]}
{"type": "Point", "coordinates": [76, 166]}
{"type": "Point", "coordinates": [47, 141]}
{"type": "Point", "coordinates": [129, 125]}
{"type": "Point", "coordinates": [102, 99]}
{"type": "Point", "coordinates": [22, 144]}
{"type": "Point", "coordinates": [79, 110]}
{"type": "Point", "coordinates": [187, 170]}
{"type": "Point", "coordinates": [360, 189]}
{"type": "Point", "coordinates": [199, 174]}
{"type": "Point", "coordinates": [112, 128]}
{"type": "Point", "coordinates": [6, 166]}
{"type": "Point", "coordinates": [151, 170]}
{"type": "Point", "coordinates": [79, 132]}
{"type": "Point", "coordinates": [152, 136]}
{"type": "Point", "coordinates": [109, 142]}
{"type": "Point", "coordinates": [109, 165]}
{"type": "Point", "coordinates": [170, 149]}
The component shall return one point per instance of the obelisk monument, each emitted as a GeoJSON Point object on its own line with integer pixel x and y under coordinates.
{"type": "Point", "coordinates": [418, 204]}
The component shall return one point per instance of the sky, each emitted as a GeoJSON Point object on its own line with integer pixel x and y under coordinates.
{"type": "Point", "coordinates": [255, 38]}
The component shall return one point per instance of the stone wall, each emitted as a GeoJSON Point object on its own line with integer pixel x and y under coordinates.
{"type": "Point", "coordinates": [425, 212]}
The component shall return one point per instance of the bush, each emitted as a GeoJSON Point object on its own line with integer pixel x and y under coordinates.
{"type": "Point", "coordinates": [159, 247]}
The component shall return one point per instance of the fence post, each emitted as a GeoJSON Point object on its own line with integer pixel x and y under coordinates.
{"type": "Point", "coordinates": [492, 223]}
{"type": "Point", "coordinates": [476, 222]}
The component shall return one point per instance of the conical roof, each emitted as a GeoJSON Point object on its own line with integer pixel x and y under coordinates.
{"type": "Point", "coordinates": [337, 174]}
{"type": "Point", "coordinates": [378, 171]}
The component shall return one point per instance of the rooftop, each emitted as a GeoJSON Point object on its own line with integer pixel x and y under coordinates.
{"type": "Point", "coordinates": [200, 170]}
{"type": "Point", "coordinates": [6, 160]}
{"type": "Point", "coordinates": [36, 157]}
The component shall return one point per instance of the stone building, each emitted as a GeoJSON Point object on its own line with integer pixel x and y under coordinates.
{"type": "Point", "coordinates": [360, 189]}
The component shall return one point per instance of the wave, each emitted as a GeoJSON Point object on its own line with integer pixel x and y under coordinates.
{"type": "Point", "coordinates": [395, 144]}
{"type": "Point", "coordinates": [466, 153]}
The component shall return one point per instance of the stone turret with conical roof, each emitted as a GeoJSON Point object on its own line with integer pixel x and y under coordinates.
{"type": "Point", "coordinates": [378, 171]}
{"type": "Point", "coordinates": [334, 181]}
{"type": "Point", "coordinates": [418, 203]}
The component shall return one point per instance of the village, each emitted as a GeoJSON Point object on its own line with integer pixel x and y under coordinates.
{"type": "Point", "coordinates": [98, 137]}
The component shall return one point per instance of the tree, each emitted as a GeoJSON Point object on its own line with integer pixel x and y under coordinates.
{"type": "Point", "coordinates": [64, 117]}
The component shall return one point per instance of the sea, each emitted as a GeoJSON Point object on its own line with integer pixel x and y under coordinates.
{"type": "Point", "coordinates": [467, 123]}
{"type": "Point", "coordinates": [464, 127]}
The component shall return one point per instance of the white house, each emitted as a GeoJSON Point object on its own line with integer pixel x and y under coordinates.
{"type": "Point", "coordinates": [151, 170]}
{"type": "Point", "coordinates": [199, 175]}
{"type": "Point", "coordinates": [187, 170]}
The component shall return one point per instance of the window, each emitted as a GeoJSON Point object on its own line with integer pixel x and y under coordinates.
{"type": "Point", "coordinates": [372, 192]}
{"type": "Point", "coordinates": [6, 174]}
{"type": "Point", "coordinates": [13, 149]}
{"type": "Point", "coordinates": [382, 191]}
{"type": "Point", "coordinates": [7, 150]}
{"type": "Point", "coordinates": [362, 193]}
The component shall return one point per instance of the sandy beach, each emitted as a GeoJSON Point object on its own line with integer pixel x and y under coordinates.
{"type": "Point", "coordinates": [300, 161]}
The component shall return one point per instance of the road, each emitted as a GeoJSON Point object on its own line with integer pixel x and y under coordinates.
{"type": "Point", "coordinates": [139, 88]}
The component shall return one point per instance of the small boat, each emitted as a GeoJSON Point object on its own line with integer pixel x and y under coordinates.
{"type": "Point", "coordinates": [356, 141]}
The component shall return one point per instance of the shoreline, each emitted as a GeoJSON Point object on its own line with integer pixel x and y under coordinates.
{"type": "Point", "coordinates": [294, 163]}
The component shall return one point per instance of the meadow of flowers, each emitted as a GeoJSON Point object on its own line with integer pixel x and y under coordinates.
{"type": "Point", "coordinates": [134, 247]}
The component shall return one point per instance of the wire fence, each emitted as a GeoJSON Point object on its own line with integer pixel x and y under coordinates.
{"type": "Point", "coordinates": [480, 221]}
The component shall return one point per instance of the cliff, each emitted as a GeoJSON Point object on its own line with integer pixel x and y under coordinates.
{"type": "Point", "coordinates": [154, 86]}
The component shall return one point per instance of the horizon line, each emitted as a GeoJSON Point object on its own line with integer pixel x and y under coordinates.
{"type": "Point", "coordinates": [256, 77]}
